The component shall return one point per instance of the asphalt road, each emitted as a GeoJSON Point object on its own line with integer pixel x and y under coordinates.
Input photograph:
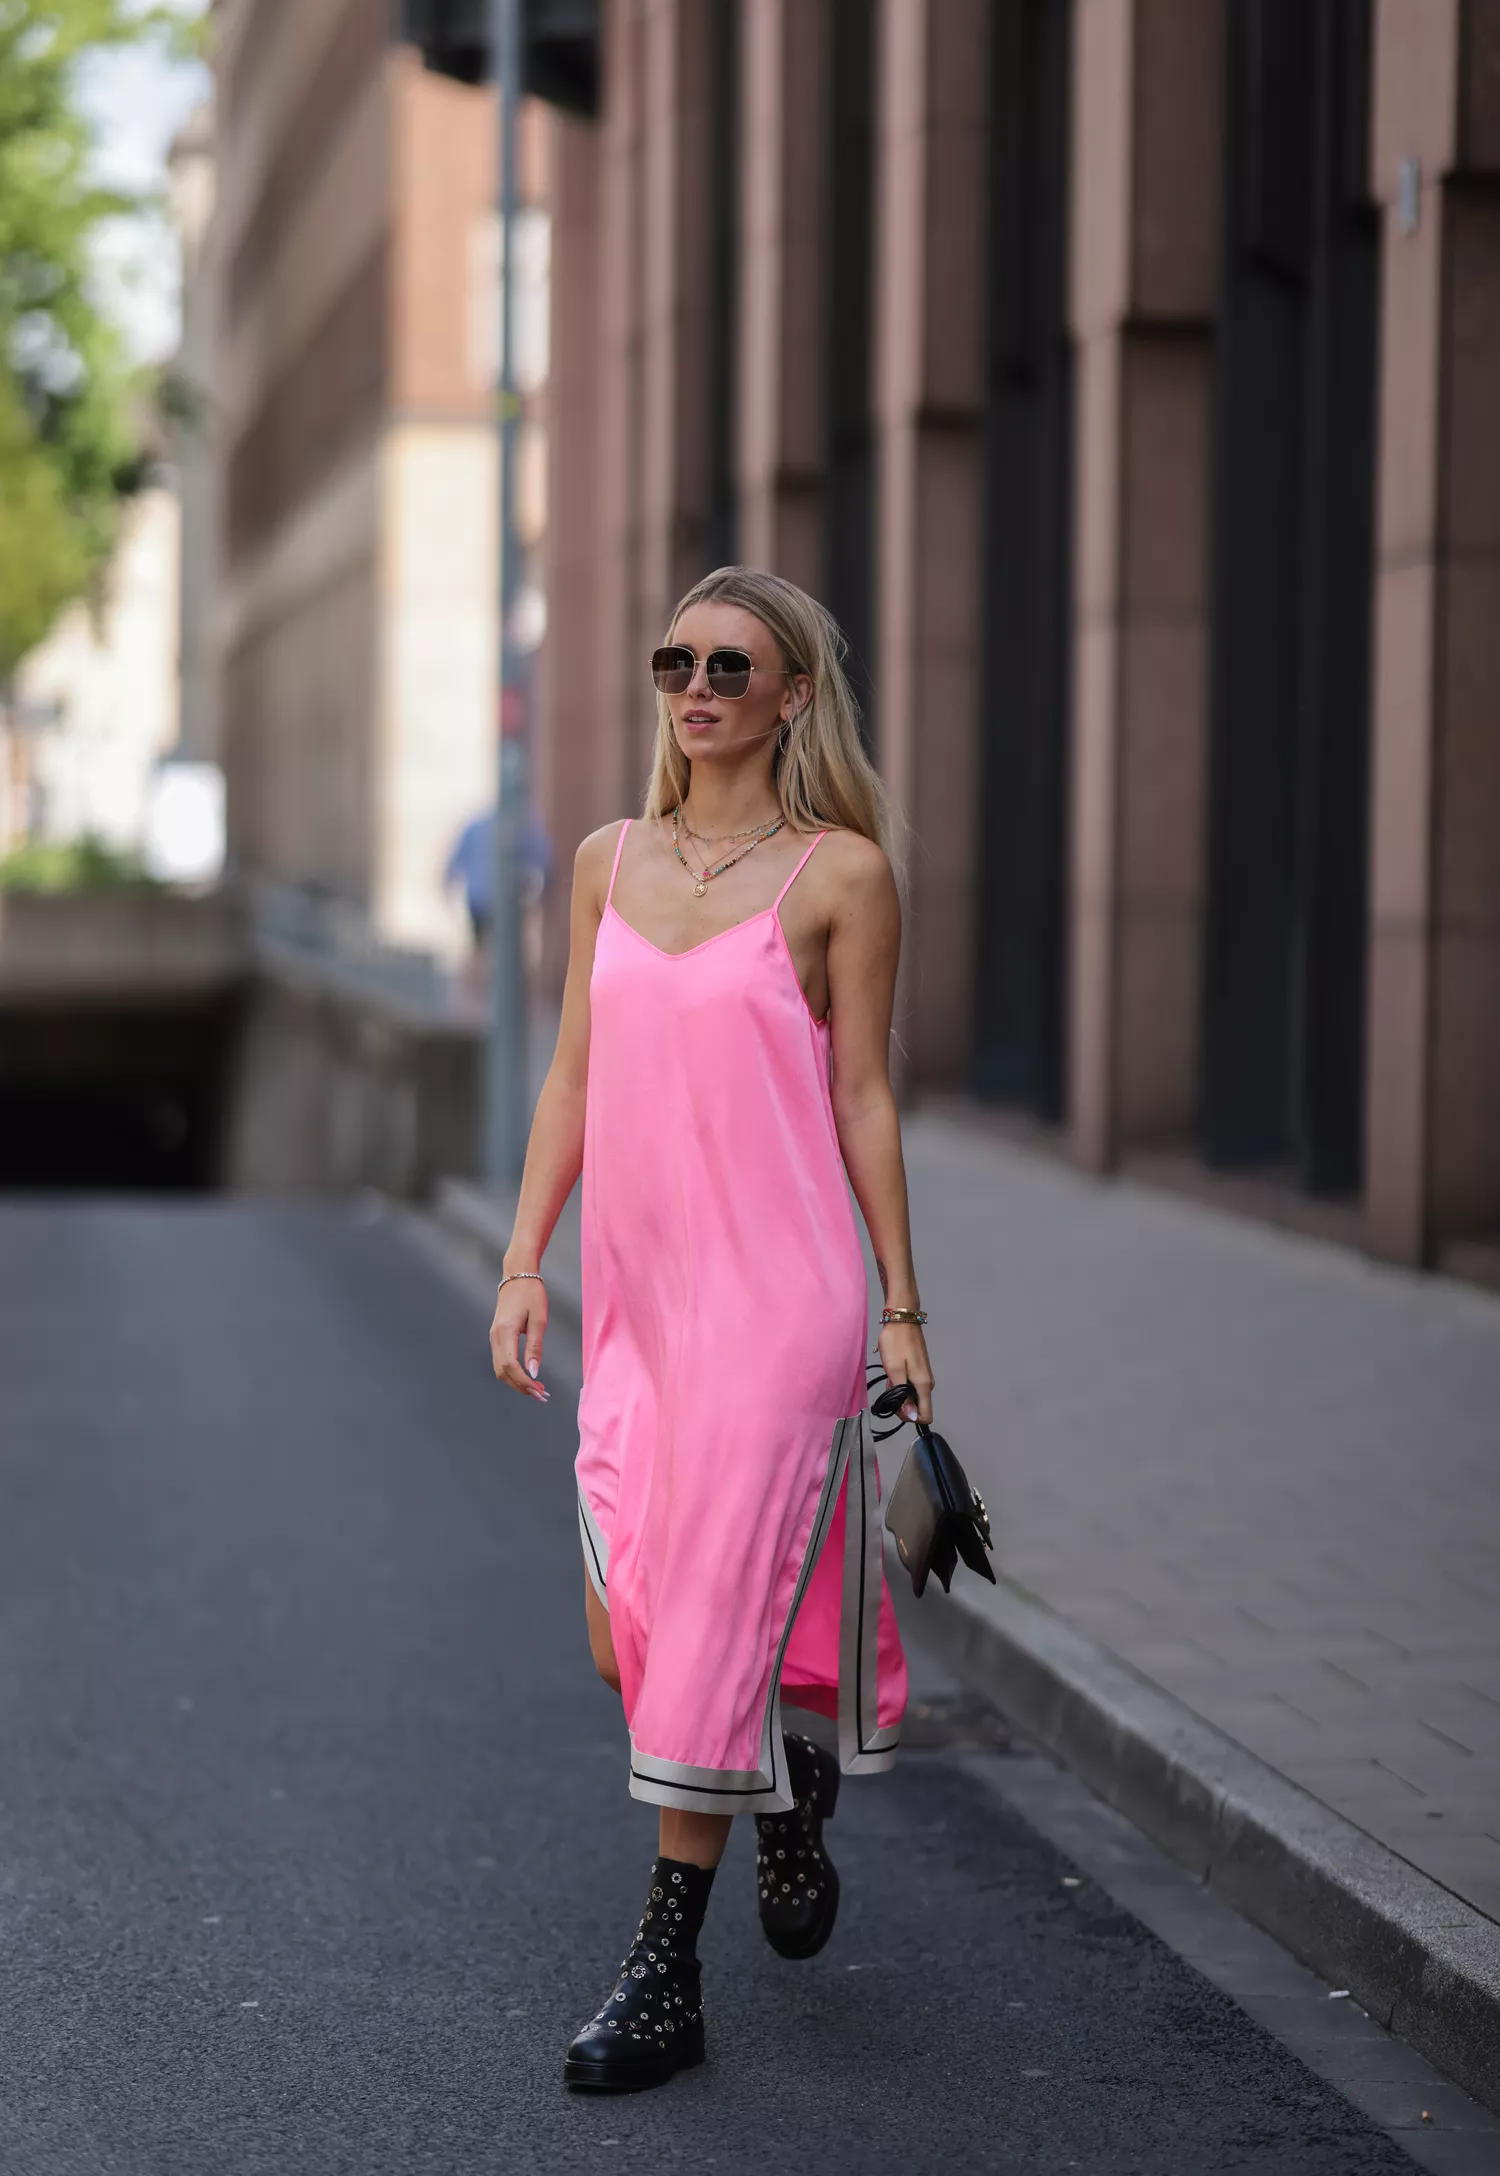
{"type": "Point", "coordinates": [314, 1840]}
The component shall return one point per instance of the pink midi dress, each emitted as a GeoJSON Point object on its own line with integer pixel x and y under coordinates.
{"type": "Point", "coordinates": [727, 1486]}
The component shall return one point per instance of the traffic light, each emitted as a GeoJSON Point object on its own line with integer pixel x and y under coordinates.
{"type": "Point", "coordinates": [559, 45]}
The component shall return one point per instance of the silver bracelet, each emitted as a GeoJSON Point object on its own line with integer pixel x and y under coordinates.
{"type": "Point", "coordinates": [505, 1280]}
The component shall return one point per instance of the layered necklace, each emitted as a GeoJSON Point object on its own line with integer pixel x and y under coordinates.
{"type": "Point", "coordinates": [755, 835]}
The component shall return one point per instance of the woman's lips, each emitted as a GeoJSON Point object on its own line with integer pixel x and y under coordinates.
{"type": "Point", "coordinates": [699, 718]}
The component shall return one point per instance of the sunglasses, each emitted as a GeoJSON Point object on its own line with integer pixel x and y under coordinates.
{"type": "Point", "coordinates": [728, 671]}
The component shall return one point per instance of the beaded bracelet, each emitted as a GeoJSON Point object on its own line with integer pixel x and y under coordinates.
{"type": "Point", "coordinates": [917, 1315]}
{"type": "Point", "coordinates": [510, 1273]}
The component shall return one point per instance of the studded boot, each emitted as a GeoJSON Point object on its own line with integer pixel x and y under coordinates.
{"type": "Point", "coordinates": [799, 1889]}
{"type": "Point", "coordinates": [652, 2023]}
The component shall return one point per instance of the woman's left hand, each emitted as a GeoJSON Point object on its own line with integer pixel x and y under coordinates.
{"type": "Point", "coordinates": [903, 1355]}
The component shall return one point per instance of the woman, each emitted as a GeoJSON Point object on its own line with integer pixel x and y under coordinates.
{"type": "Point", "coordinates": [720, 1066]}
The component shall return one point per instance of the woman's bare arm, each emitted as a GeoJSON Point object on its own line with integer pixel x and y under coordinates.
{"type": "Point", "coordinates": [554, 1153]}
{"type": "Point", "coordinates": [864, 948]}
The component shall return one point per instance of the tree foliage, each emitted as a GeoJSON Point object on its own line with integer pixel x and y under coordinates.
{"type": "Point", "coordinates": [48, 545]}
{"type": "Point", "coordinates": [68, 443]}
{"type": "Point", "coordinates": [71, 865]}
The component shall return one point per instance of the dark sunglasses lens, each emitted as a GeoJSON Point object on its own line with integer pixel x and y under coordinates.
{"type": "Point", "coordinates": [672, 670]}
{"type": "Point", "coordinates": [729, 674]}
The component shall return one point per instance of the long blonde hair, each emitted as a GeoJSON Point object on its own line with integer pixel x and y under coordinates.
{"type": "Point", "coordinates": [819, 768]}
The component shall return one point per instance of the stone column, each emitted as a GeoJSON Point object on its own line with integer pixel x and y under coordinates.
{"type": "Point", "coordinates": [577, 758]}
{"type": "Point", "coordinates": [931, 165]}
{"type": "Point", "coordinates": [1146, 188]}
{"type": "Point", "coordinates": [622, 259]}
{"type": "Point", "coordinates": [782, 410]}
{"type": "Point", "coordinates": [655, 220]}
{"type": "Point", "coordinates": [1433, 1135]}
{"type": "Point", "coordinates": [678, 153]}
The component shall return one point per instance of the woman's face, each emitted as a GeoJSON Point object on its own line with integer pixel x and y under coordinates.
{"type": "Point", "coordinates": [709, 725]}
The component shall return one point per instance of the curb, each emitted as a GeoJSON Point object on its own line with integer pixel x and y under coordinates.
{"type": "Point", "coordinates": [1419, 1960]}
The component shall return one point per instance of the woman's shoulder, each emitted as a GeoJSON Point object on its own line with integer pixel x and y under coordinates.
{"type": "Point", "coordinates": [595, 859]}
{"type": "Point", "coordinates": [600, 845]}
{"type": "Point", "coordinates": [851, 859]}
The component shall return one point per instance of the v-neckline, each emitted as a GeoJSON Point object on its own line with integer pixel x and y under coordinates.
{"type": "Point", "coordinates": [771, 912]}
{"type": "Point", "coordinates": [688, 950]}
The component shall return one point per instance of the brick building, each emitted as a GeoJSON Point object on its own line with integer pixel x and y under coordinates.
{"type": "Point", "coordinates": [355, 242]}
{"type": "Point", "coordinates": [1121, 373]}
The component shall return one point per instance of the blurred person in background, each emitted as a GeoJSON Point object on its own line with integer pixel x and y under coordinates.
{"type": "Point", "coordinates": [721, 1065]}
{"type": "Point", "coordinates": [472, 865]}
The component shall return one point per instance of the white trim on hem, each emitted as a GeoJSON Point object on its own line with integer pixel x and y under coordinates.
{"type": "Point", "coordinates": [864, 1748]}
{"type": "Point", "coordinates": [595, 1549]}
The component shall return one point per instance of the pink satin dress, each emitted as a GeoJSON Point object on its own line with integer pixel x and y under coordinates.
{"type": "Point", "coordinates": [727, 1486]}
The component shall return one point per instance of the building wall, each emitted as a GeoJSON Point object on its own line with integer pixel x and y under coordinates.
{"type": "Point", "coordinates": [643, 396]}
{"type": "Point", "coordinates": [579, 738]}
{"type": "Point", "coordinates": [434, 766]}
{"type": "Point", "coordinates": [109, 680]}
{"type": "Point", "coordinates": [931, 154]}
{"type": "Point", "coordinates": [1144, 262]}
{"type": "Point", "coordinates": [301, 693]}
{"type": "Point", "coordinates": [1434, 1073]}
{"type": "Point", "coordinates": [356, 611]}
{"type": "Point", "coordinates": [303, 319]}
{"type": "Point", "coordinates": [702, 405]}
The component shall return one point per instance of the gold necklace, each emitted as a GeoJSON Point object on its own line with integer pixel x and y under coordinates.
{"type": "Point", "coordinates": [717, 838]}
{"type": "Point", "coordinates": [704, 877]}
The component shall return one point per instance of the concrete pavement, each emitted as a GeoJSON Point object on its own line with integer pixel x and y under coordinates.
{"type": "Point", "coordinates": [1262, 1470]}
{"type": "Point", "coordinates": [314, 1842]}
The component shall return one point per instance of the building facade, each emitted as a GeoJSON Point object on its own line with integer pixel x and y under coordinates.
{"type": "Point", "coordinates": [353, 373]}
{"type": "Point", "coordinates": [102, 690]}
{"type": "Point", "coordinates": [1116, 370]}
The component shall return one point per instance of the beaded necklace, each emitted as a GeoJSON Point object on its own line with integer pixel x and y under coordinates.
{"type": "Point", "coordinates": [702, 878]}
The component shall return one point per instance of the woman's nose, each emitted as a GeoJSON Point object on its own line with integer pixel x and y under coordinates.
{"type": "Point", "coordinates": [698, 686]}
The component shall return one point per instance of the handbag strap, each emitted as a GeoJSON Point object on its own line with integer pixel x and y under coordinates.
{"type": "Point", "coordinates": [889, 1403]}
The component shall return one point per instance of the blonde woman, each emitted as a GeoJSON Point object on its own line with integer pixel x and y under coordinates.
{"type": "Point", "coordinates": [721, 1065]}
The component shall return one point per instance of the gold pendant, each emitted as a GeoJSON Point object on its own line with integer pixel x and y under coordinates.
{"type": "Point", "coordinates": [700, 889]}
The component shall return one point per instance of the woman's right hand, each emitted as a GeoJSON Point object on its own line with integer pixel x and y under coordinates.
{"type": "Point", "coordinates": [516, 1335]}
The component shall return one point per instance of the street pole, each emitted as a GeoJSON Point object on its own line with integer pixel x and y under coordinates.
{"type": "Point", "coordinates": [507, 1114]}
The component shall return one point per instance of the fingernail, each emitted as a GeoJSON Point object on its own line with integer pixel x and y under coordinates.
{"type": "Point", "coordinates": [533, 1369]}
{"type": "Point", "coordinates": [908, 1412]}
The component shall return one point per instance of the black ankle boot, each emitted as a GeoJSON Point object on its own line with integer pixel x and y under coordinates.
{"type": "Point", "coordinates": [799, 1889]}
{"type": "Point", "coordinates": [652, 2024]}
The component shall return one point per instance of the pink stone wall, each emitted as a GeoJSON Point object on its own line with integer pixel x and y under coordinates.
{"type": "Point", "coordinates": [630, 502]}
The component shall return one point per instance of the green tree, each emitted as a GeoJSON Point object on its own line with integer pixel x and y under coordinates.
{"type": "Point", "coordinates": [69, 446]}
{"type": "Point", "coordinates": [47, 553]}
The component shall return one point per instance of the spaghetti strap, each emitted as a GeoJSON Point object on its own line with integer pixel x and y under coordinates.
{"type": "Point", "coordinates": [615, 867]}
{"type": "Point", "coordinates": [802, 864]}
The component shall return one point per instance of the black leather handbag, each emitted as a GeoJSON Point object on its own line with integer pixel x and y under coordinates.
{"type": "Point", "coordinates": [934, 1515]}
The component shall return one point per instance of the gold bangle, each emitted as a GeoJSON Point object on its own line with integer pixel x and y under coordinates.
{"type": "Point", "coordinates": [917, 1315]}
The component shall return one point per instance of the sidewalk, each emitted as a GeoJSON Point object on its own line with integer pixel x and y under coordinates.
{"type": "Point", "coordinates": [1263, 1473]}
